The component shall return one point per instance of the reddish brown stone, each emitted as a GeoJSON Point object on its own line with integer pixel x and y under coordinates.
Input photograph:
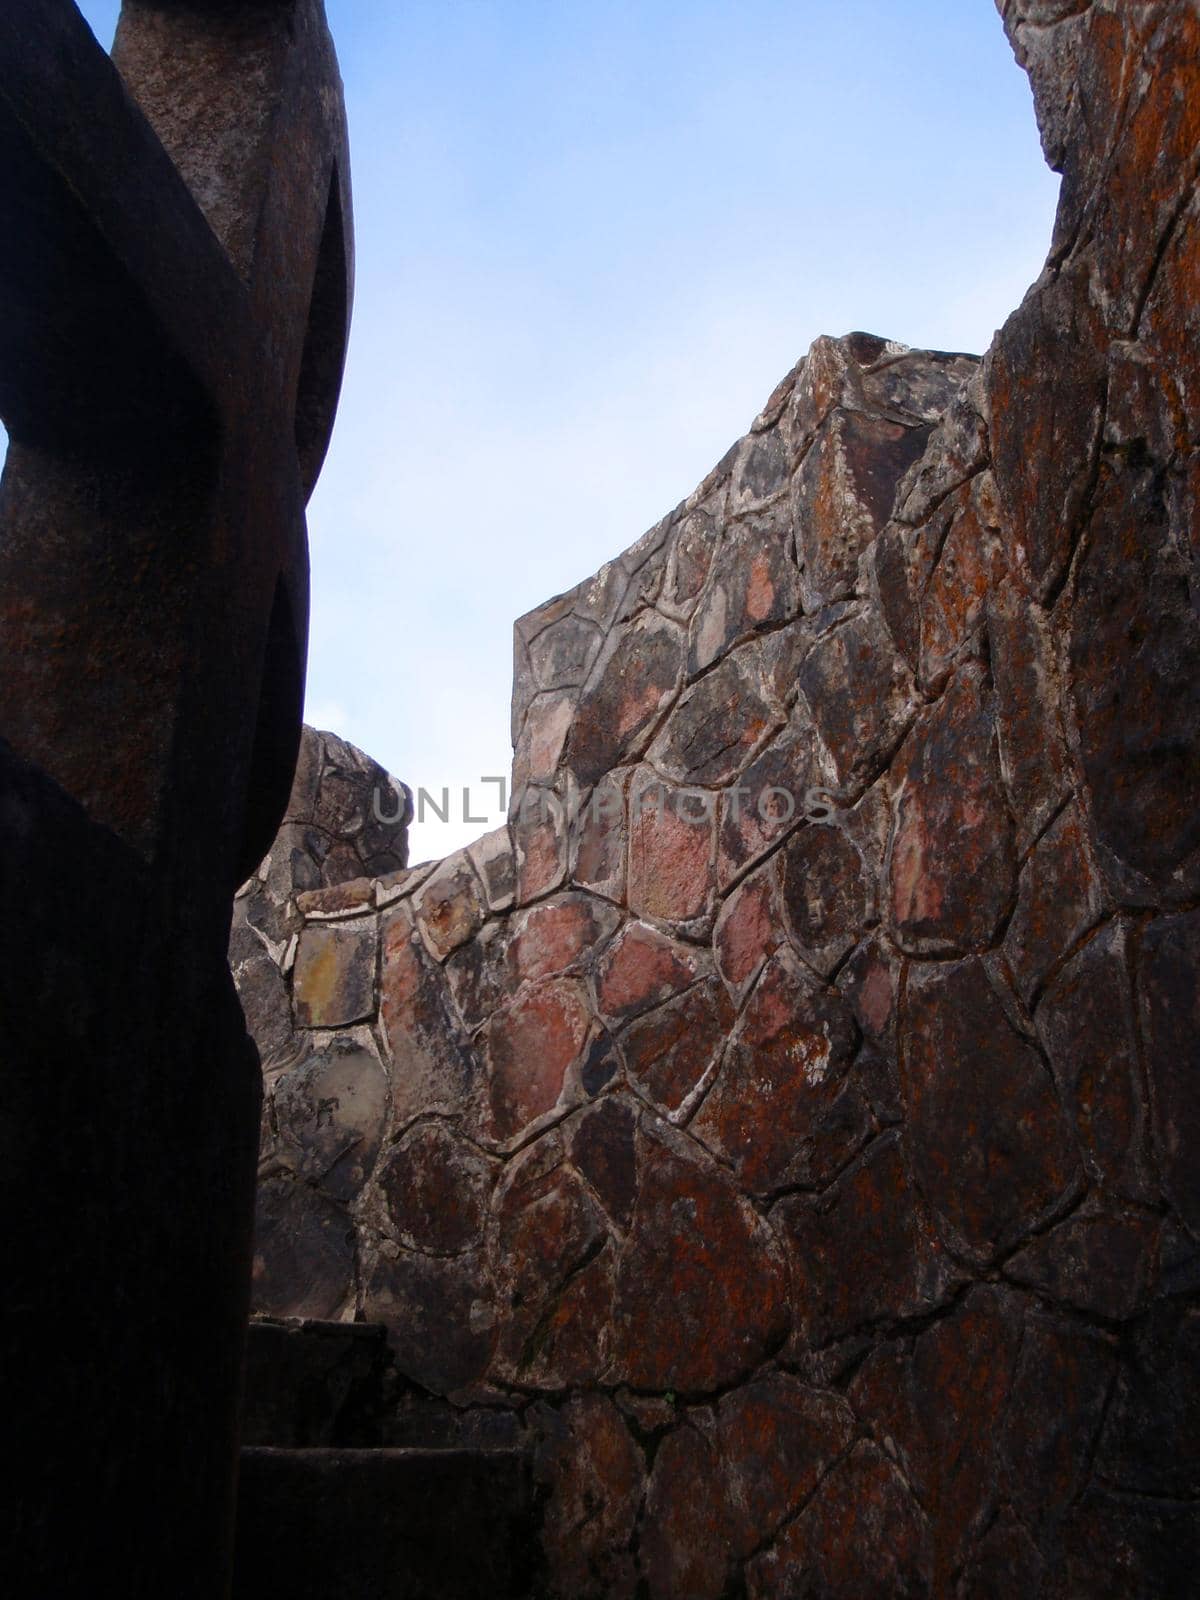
{"type": "Point", "coordinates": [555, 936]}
{"type": "Point", "coordinates": [778, 1437]}
{"type": "Point", "coordinates": [1086, 1025]}
{"type": "Point", "coordinates": [588, 1461]}
{"type": "Point", "coordinates": [604, 1150]}
{"type": "Point", "coordinates": [824, 894]}
{"type": "Point", "coordinates": [842, 496]}
{"type": "Point", "coordinates": [641, 969]}
{"type": "Point", "coordinates": [861, 698]}
{"type": "Point", "coordinates": [1135, 662]}
{"type": "Point", "coordinates": [669, 1052]}
{"type": "Point", "coordinates": [532, 1045]}
{"type": "Point", "coordinates": [477, 973]}
{"type": "Point", "coordinates": [861, 1254]}
{"type": "Point", "coordinates": [953, 867]}
{"type": "Point", "coordinates": [333, 982]}
{"type": "Point", "coordinates": [671, 835]}
{"type": "Point", "coordinates": [1098, 1264]}
{"type": "Point", "coordinates": [1033, 756]}
{"type": "Point", "coordinates": [1058, 1398]}
{"type": "Point", "coordinates": [552, 1273]}
{"type": "Point", "coordinates": [450, 906]}
{"type": "Point", "coordinates": [780, 1111]}
{"type": "Point", "coordinates": [1045, 434]}
{"type": "Point", "coordinates": [691, 557]}
{"type": "Point", "coordinates": [701, 1289]}
{"type": "Point", "coordinates": [433, 1190]}
{"type": "Point", "coordinates": [686, 1542]}
{"type": "Point", "coordinates": [952, 610]}
{"type": "Point", "coordinates": [991, 1147]}
{"type": "Point", "coordinates": [861, 1535]}
{"type": "Point", "coordinates": [747, 932]}
{"type": "Point", "coordinates": [1059, 900]}
{"type": "Point", "coordinates": [637, 673]}
{"type": "Point", "coordinates": [754, 585]}
{"type": "Point", "coordinates": [432, 1067]}
{"type": "Point", "coordinates": [1006, 1562]}
{"type": "Point", "coordinates": [870, 981]}
{"type": "Point", "coordinates": [1169, 1007]}
{"type": "Point", "coordinates": [540, 836]}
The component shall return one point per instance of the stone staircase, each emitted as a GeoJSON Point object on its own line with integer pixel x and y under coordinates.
{"type": "Point", "coordinates": [330, 1508]}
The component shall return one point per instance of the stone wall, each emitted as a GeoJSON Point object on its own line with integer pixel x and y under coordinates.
{"type": "Point", "coordinates": [788, 1121]}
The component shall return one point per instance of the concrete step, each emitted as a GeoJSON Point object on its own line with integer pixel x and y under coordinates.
{"type": "Point", "coordinates": [379, 1524]}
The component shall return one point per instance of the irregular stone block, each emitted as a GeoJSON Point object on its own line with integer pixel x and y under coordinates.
{"type": "Point", "coordinates": [303, 1252]}
{"type": "Point", "coordinates": [716, 727]}
{"type": "Point", "coordinates": [333, 982]}
{"type": "Point", "coordinates": [669, 1053]}
{"type": "Point", "coordinates": [1169, 1009]}
{"type": "Point", "coordinates": [780, 1112]}
{"type": "Point", "coordinates": [635, 677]}
{"type": "Point", "coordinates": [953, 865]}
{"type": "Point", "coordinates": [328, 1114]}
{"type": "Point", "coordinates": [683, 1320]}
{"type": "Point", "coordinates": [1060, 898]}
{"type": "Point", "coordinates": [532, 1046]}
{"type": "Point", "coordinates": [432, 1190]}
{"type": "Point", "coordinates": [671, 847]}
{"type": "Point", "coordinates": [861, 1253]}
{"type": "Point", "coordinates": [861, 699]}
{"type": "Point", "coordinates": [641, 969]}
{"type": "Point", "coordinates": [587, 1460]}
{"type": "Point", "coordinates": [991, 1147]}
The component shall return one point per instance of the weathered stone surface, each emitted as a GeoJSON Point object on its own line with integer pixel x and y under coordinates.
{"type": "Point", "coordinates": [433, 1188]}
{"type": "Point", "coordinates": [334, 979]}
{"type": "Point", "coordinates": [327, 1116]}
{"type": "Point", "coordinates": [593, 1470]}
{"type": "Point", "coordinates": [634, 679]}
{"type": "Point", "coordinates": [748, 932]}
{"type": "Point", "coordinates": [842, 496]}
{"type": "Point", "coordinates": [1033, 755]}
{"type": "Point", "coordinates": [781, 1112]}
{"type": "Point", "coordinates": [861, 1254]}
{"type": "Point", "coordinates": [532, 1045]}
{"type": "Point", "coordinates": [754, 585]}
{"type": "Point", "coordinates": [1169, 1004]}
{"type": "Point", "coordinates": [769, 799]}
{"type": "Point", "coordinates": [641, 969]}
{"type": "Point", "coordinates": [687, 1539]}
{"type": "Point", "coordinates": [682, 1320]}
{"type": "Point", "coordinates": [303, 1252]}
{"type": "Point", "coordinates": [953, 868]}
{"type": "Point", "coordinates": [671, 846]}
{"type": "Point", "coordinates": [861, 699]}
{"type": "Point", "coordinates": [439, 1312]}
{"type": "Point", "coordinates": [824, 894]}
{"type": "Point", "coordinates": [598, 841]}
{"type": "Point", "coordinates": [1060, 899]}
{"type": "Point", "coordinates": [433, 1069]}
{"type": "Point", "coordinates": [555, 936]}
{"type": "Point", "coordinates": [991, 1146]}
{"type": "Point", "coordinates": [778, 1438]}
{"type": "Point", "coordinates": [669, 1053]}
{"type": "Point", "coordinates": [862, 1534]}
{"type": "Point", "coordinates": [715, 728]}
{"type": "Point", "coordinates": [1086, 1025]}
{"type": "Point", "coordinates": [1096, 1263]}
{"type": "Point", "coordinates": [450, 907]}
{"type": "Point", "coordinates": [604, 1151]}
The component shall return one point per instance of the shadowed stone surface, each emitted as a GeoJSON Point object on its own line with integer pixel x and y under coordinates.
{"type": "Point", "coordinates": [175, 283]}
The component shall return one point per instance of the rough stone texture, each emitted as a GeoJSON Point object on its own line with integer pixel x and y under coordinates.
{"type": "Point", "coordinates": [789, 1123]}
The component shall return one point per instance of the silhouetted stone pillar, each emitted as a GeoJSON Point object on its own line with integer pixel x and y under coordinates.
{"type": "Point", "coordinates": [175, 282]}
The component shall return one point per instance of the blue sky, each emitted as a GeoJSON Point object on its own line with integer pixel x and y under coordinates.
{"type": "Point", "coordinates": [592, 235]}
